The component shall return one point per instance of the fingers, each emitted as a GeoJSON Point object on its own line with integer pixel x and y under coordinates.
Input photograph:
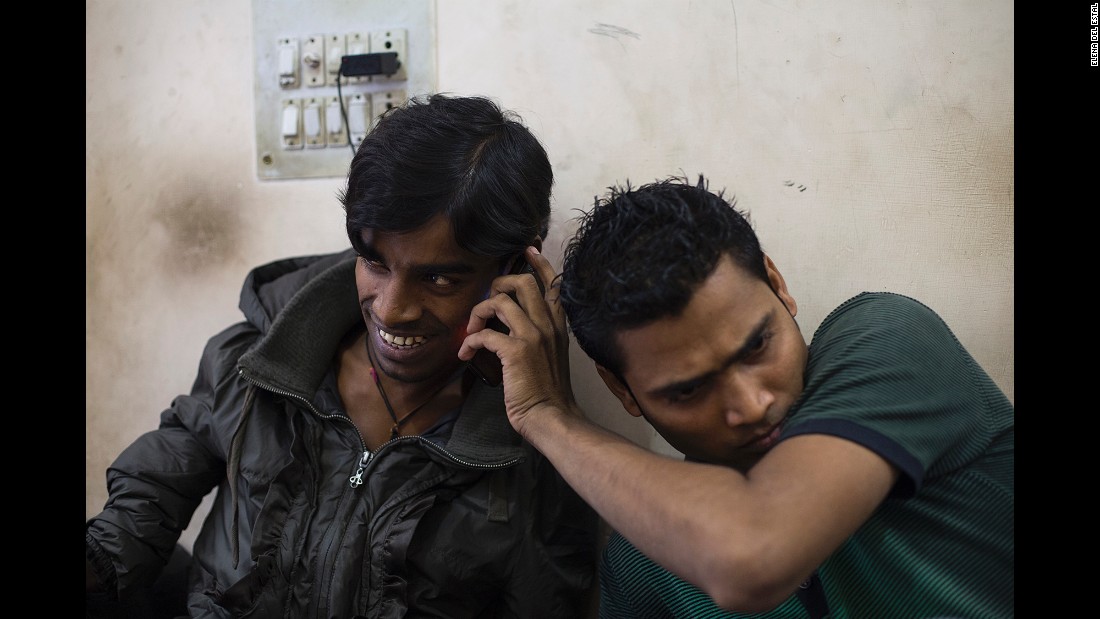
{"type": "Point", "coordinates": [520, 302]}
{"type": "Point", "coordinates": [544, 271]}
{"type": "Point", "coordinates": [480, 316]}
{"type": "Point", "coordinates": [534, 353]}
{"type": "Point", "coordinates": [551, 285]}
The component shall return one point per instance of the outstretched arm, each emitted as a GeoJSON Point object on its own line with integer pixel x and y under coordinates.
{"type": "Point", "coordinates": [747, 540]}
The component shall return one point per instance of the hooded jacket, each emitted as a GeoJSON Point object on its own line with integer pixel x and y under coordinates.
{"type": "Point", "coordinates": [306, 521]}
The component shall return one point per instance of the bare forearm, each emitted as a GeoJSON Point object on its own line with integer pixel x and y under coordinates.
{"type": "Point", "coordinates": [668, 508]}
{"type": "Point", "coordinates": [742, 539]}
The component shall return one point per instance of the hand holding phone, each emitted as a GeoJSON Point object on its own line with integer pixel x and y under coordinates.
{"type": "Point", "coordinates": [485, 364]}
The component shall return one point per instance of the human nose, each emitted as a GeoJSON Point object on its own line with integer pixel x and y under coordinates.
{"type": "Point", "coordinates": [745, 399]}
{"type": "Point", "coordinates": [395, 303]}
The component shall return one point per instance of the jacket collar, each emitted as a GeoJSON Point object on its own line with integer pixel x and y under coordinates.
{"type": "Point", "coordinates": [296, 351]}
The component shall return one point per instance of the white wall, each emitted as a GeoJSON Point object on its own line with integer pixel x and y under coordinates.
{"type": "Point", "coordinates": [871, 141]}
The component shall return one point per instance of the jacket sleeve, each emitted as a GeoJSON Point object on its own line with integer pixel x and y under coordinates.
{"type": "Point", "coordinates": [156, 483]}
{"type": "Point", "coordinates": [554, 573]}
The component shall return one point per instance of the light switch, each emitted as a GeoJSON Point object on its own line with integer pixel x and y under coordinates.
{"type": "Point", "coordinates": [291, 125]}
{"type": "Point", "coordinates": [334, 123]}
{"type": "Point", "coordinates": [288, 63]}
{"type": "Point", "coordinates": [359, 115]}
{"type": "Point", "coordinates": [311, 122]}
{"type": "Point", "coordinates": [334, 51]}
{"type": "Point", "coordinates": [358, 43]}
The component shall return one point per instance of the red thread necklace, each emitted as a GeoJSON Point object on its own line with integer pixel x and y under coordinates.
{"type": "Point", "coordinates": [395, 431]}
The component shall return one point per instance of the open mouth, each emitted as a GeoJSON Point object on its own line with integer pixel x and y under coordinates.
{"type": "Point", "coordinates": [405, 342]}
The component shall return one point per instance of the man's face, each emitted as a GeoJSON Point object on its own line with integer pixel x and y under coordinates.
{"type": "Point", "coordinates": [718, 380]}
{"type": "Point", "coordinates": [416, 290]}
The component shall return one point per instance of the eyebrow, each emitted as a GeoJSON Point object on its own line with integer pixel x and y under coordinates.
{"type": "Point", "coordinates": [457, 267]}
{"type": "Point", "coordinates": [738, 355]}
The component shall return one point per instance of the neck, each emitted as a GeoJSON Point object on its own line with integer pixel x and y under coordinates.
{"type": "Point", "coordinates": [416, 407]}
{"type": "Point", "coordinates": [403, 394]}
{"type": "Point", "coordinates": [365, 405]}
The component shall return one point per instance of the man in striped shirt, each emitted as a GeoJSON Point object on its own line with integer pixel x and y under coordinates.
{"type": "Point", "coordinates": [868, 473]}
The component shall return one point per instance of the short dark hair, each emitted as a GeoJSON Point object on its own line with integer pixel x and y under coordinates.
{"type": "Point", "coordinates": [465, 157]}
{"type": "Point", "coordinates": [639, 254]}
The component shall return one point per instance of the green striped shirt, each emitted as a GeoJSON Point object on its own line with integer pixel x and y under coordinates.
{"type": "Point", "coordinates": [886, 372]}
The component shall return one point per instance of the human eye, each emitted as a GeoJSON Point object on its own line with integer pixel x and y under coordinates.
{"type": "Point", "coordinates": [442, 282]}
{"type": "Point", "coordinates": [681, 396]}
{"type": "Point", "coordinates": [685, 393]}
{"type": "Point", "coordinates": [758, 345]}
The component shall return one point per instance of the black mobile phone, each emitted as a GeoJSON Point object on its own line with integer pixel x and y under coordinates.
{"type": "Point", "coordinates": [485, 364]}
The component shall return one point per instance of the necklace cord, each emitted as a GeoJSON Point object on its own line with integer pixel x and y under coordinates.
{"type": "Point", "coordinates": [395, 431]}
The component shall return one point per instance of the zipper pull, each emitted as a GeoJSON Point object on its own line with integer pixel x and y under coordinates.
{"type": "Point", "coordinates": [357, 479]}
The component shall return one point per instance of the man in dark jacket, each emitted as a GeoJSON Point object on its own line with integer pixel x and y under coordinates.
{"type": "Point", "coordinates": [361, 469]}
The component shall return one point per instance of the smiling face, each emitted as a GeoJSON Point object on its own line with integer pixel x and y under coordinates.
{"type": "Point", "coordinates": [717, 380]}
{"type": "Point", "coordinates": [416, 290]}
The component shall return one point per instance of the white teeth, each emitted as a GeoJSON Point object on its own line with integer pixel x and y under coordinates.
{"type": "Point", "coordinates": [415, 340]}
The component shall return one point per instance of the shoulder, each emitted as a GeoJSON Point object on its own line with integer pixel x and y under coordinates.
{"type": "Point", "coordinates": [882, 307]}
{"type": "Point", "coordinates": [885, 371]}
{"type": "Point", "coordinates": [884, 323]}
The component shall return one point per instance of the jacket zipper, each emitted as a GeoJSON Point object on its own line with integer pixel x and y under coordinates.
{"type": "Point", "coordinates": [356, 479]}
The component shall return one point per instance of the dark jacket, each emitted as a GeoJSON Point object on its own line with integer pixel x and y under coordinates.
{"type": "Point", "coordinates": [306, 521]}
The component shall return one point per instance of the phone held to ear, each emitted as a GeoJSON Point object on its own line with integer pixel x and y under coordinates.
{"type": "Point", "coordinates": [485, 364]}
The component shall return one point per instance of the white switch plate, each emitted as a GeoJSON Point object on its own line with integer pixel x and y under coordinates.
{"type": "Point", "coordinates": [310, 32]}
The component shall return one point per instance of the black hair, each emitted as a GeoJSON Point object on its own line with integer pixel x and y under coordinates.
{"type": "Point", "coordinates": [640, 253]}
{"type": "Point", "coordinates": [465, 157]}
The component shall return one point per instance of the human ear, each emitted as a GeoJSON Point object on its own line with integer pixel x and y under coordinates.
{"type": "Point", "coordinates": [620, 390]}
{"type": "Point", "coordinates": [775, 278]}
